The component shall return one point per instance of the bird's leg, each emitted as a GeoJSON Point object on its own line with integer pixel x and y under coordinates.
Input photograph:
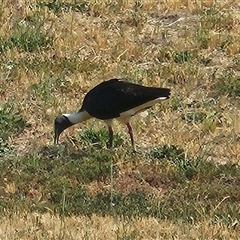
{"type": "Point", "coordinates": [130, 131]}
{"type": "Point", "coordinates": [110, 134]}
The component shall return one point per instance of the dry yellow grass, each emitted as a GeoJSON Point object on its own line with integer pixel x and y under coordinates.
{"type": "Point", "coordinates": [110, 40]}
{"type": "Point", "coordinates": [47, 226]}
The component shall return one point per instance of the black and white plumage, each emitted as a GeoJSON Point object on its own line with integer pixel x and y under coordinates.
{"type": "Point", "coordinates": [111, 99]}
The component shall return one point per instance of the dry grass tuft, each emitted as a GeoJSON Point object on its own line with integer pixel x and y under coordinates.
{"type": "Point", "coordinates": [47, 226]}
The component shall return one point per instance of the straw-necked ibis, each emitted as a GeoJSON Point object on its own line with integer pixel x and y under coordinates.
{"type": "Point", "coordinates": [111, 99]}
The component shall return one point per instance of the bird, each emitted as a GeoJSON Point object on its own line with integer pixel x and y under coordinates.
{"type": "Point", "coordinates": [112, 99]}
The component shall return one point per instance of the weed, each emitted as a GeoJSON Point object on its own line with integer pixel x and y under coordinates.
{"type": "Point", "coordinates": [227, 84]}
{"type": "Point", "coordinates": [4, 148]}
{"type": "Point", "coordinates": [186, 167]}
{"type": "Point", "coordinates": [43, 90]}
{"type": "Point", "coordinates": [182, 56]}
{"type": "Point", "coordinates": [167, 151]}
{"type": "Point", "coordinates": [61, 6]}
{"type": "Point", "coordinates": [210, 18]}
{"type": "Point", "coordinates": [194, 116]}
{"type": "Point", "coordinates": [11, 122]}
{"type": "Point", "coordinates": [28, 37]}
{"type": "Point", "coordinates": [100, 137]}
{"type": "Point", "coordinates": [176, 103]}
{"type": "Point", "coordinates": [203, 38]}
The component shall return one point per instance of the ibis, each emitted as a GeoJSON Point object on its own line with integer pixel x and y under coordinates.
{"type": "Point", "coordinates": [112, 99]}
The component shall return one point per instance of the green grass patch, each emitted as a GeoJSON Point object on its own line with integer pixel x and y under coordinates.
{"type": "Point", "coordinates": [11, 122]}
{"type": "Point", "coordinates": [99, 138]}
{"type": "Point", "coordinates": [184, 167]}
{"type": "Point", "coordinates": [27, 37]}
{"type": "Point", "coordinates": [166, 152]}
{"type": "Point", "coordinates": [194, 189]}
{"type": "Point", "coordinates": [4, 148]}
{"type": "Point", "coordinates": [194, 116]}
{"type": "Point", "coordinates": [182, 56]}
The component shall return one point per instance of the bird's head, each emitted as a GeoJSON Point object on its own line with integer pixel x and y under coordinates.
{"type": "Point", "coordinates": [60, 124]}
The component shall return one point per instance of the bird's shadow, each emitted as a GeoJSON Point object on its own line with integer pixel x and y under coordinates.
{"type": "Point", "coordinates": [60, 151]}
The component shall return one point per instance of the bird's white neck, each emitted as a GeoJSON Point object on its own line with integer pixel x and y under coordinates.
{"type": "Point", "coordinates": [77, 117]}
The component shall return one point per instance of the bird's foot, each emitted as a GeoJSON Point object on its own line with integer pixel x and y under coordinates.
{"type": "Point", "coordinates": [135, 151]}
{"type": "Point", "coordinates": [109, 145]}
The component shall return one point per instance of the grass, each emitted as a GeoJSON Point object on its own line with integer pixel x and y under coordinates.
{"type": "Point", "coordinates": [99, 138]}
{"type": "Point", "coordinates": [11, 122]}
{"type": "Point", "coordinates": [27, 37]}
{"type": "Point", "coordinates": [81, 183]}
{"type": "Point", "coordinates": [183, 182]}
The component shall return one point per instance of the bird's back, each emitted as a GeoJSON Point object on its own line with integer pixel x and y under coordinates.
{"type": "Point", "coordinates": [110, 98]}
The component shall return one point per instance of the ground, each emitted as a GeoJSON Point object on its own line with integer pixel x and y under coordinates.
{"type": "Point", "coordinates": [184, 179]}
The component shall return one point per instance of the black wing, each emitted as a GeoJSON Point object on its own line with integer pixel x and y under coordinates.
{"type": "Point", "coordinates": [108, 99]}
